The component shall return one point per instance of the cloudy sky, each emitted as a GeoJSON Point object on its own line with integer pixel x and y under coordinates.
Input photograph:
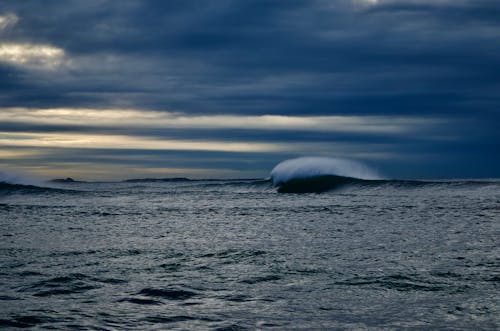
{"type": "Point", "coordinates": [101, 89]}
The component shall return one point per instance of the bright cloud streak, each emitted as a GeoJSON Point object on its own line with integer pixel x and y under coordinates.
{"type": "Point", "coordinates": [156, 119]}
{"type": "Point", "coordinates": [96, 141]}
{"type": "Point", "coordinates": [31, 55]}
{"type": "Point", "coordinates": [37, 56]}
{"type": "Point", "coordinates": [19, 154]}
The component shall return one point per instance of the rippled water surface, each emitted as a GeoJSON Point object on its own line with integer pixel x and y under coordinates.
{"type": "Point", "coordinates": [229, 255]}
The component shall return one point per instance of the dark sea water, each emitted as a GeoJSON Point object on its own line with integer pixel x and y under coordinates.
{"type": "Point", "coordinates": [237, 255]}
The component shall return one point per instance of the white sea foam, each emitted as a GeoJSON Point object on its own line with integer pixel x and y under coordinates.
{"type": "Point", "coordinates": [305, 167]}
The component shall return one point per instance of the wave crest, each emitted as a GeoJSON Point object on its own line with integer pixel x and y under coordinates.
{"type": "Point", "coordinates": [308, 167]}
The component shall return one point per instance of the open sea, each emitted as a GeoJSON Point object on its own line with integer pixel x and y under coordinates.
{"type": "Point", "coordinates": [238, 255]}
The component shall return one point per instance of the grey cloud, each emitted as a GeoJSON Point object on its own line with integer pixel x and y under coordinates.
{"type": "Point", "coordinates": [404, 58]}
{"type": "Point", "coordinates": [191, 56]}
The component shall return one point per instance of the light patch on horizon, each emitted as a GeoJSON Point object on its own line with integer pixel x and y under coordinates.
{"type": "Point", "coordinates": [96, 141]}
{"type": "Point", "coordinates": [31, 55]}
{"type": "Point", "coordinates": [113, 171]}
{"type": "Point", "coordinates": [157, 119]}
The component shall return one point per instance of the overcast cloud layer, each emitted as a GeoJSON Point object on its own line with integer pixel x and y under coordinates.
{"type": "Point", "coordinates": [112, 89]}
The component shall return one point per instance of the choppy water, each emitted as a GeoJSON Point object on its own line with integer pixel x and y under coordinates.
{"type": "Point", "coordinates": [229, 255]}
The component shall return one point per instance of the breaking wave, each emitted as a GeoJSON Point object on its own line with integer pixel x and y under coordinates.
{"type": "Point", "coordinates": [308, 167]}
{"type": "Point", "coordinates": [319, 174]}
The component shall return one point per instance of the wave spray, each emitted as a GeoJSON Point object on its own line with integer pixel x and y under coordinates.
{"type": "Point", "coordinates": [308, 167]}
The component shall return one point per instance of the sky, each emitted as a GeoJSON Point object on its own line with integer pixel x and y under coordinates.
{"type": "Point", "coordinates": [100, 90]}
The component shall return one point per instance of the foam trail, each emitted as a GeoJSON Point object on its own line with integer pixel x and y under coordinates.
{"type": "Point", "coordinates": [306, 167]}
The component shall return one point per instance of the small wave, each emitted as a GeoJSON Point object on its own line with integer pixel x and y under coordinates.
{"type": "Point", "coordinates": [236, 183]}
{"type": "Point", "coordinates": [165, 320]}
{"type": "Point", "coordinates": [68, 284]}
{"type": "Point", "coordinates": [236, 298]}
{"type": "Point", "coordinates": [77, 288]}
{"type": "Point", "coordinates": [168, 293]}
{"type": "Point", "coordinates": [402, 283]}
{"type": "Point", "coordinates": [29, 273]}
{"type": "Point", "coordinates": [8, 298]}
{"type": "Point", "coordinates": [8, 188]}
{"type": "Point", "coordinates": [261, 279]}
{"type": "Point", "coordinates": [26, 321]}
{"type": "Point", "coordinates": [237, 255]}
{"type": "Point", "coordinates": [171, 267]}
{"type": "Point", "coordinates": [75, 283]}
{"type": "Point", "coordinates": [232, 327]}
{"type": "Point", "coordinates": [140, 301]}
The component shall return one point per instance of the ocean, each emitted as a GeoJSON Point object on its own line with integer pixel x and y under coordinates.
{"type": "Point", "coordinates": [239, 255]}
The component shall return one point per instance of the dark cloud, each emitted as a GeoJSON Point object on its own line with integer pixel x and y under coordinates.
{"type": "Point", "coordinates": [405, 58]}
{"type": "Point", "coordinates": [261, 56]}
